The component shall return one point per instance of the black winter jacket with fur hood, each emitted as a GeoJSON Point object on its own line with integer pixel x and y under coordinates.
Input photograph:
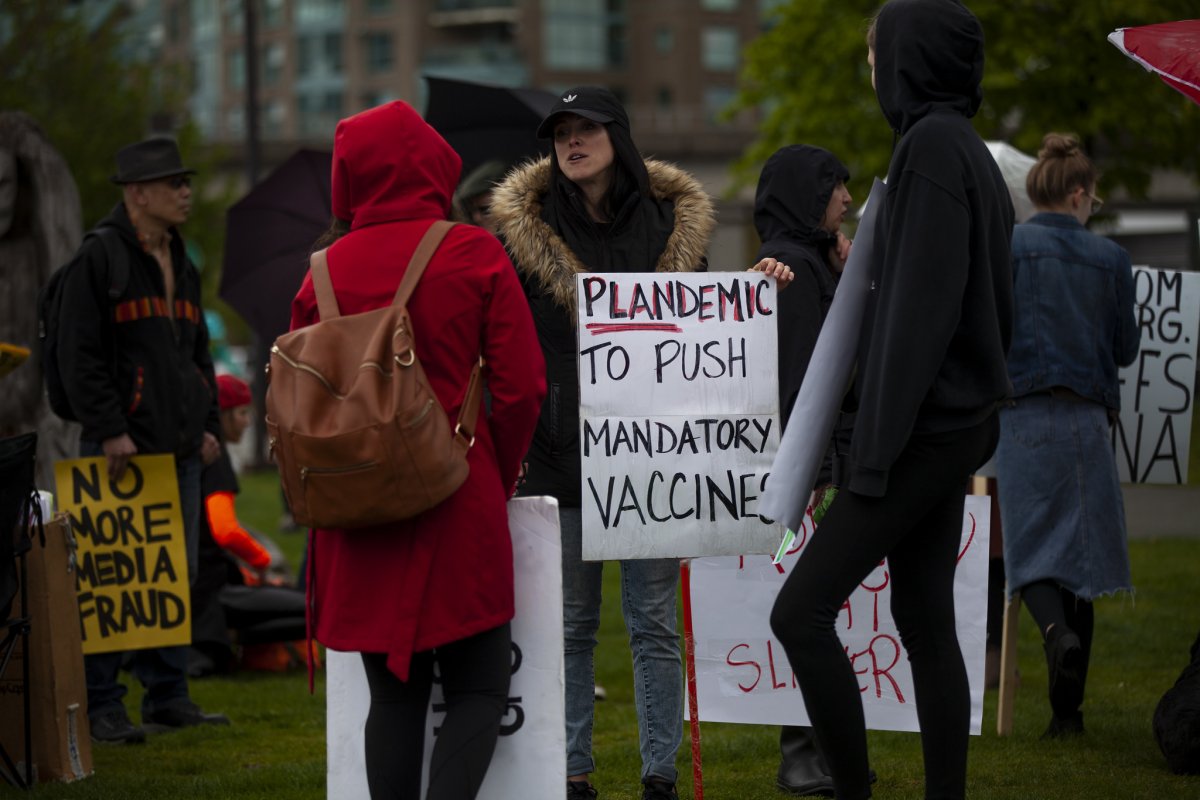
{"type": "Point", "coordinates": [547, 266]}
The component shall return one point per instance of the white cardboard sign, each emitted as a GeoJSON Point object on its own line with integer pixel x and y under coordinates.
{"type": "Point", "coordinates": [1153, 433]}
{"type": "Point", "coordinates": [679, 413]}
{"type": "Point", "coordinates": [742, 672]}
{"type": "Point", "coordinates": [530, 759]}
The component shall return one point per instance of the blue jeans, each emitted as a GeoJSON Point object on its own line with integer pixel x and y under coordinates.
{"type": "Point", "coordinates": [648, 592]}
{"type": "Point", "coordinates": [162, 670]}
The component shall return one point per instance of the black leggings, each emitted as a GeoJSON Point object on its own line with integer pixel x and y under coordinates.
{"type": "Point", "coordinates": [474, 674]}
{"type": "Point", "coordinates": [917, 525]}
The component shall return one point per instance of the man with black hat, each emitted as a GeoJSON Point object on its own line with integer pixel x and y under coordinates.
{"type": "Point", "coordinates": [133, 357]}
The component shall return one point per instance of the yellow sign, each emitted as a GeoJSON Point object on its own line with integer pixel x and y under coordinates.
{"type": "Point", "coordinates": [132, 576]}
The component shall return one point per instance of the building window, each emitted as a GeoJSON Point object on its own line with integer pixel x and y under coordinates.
{"type": "Point", "coordinates": [378, 47]}
{"type": "Point", "coordinates": [235, 16]}
{"type": "Point", "coordinates": [719, 48]}
{"type": "Point", "coordinates": [235, 123]}
{"type": "Point", "coordinates": [272, 118]}
{"type": "Point", "coordinates": [664, 40]}
{"type": "Point", "coordinates": [719, 5]}
{"type": "Point", "coordinates": [319, 12]}
{"type": "Point", "coordinates": [332, 52]}
{"type": "Point", "coordinates": [665, 98]}
{"type": "Point", "coordinates": [379, 6]}
{"type": "Point", "coordinates": [584, 34]}
{"type": "Point", "coordinates": [716, 100]}
{"type": "Point", "coordinates": [273, 59]}
{"type": "Point", "coordinates": [235, 69]}
{"type": "Point", "coordinates": [270, 14]}
{"type": "Point", "coordinates": [318, 113]}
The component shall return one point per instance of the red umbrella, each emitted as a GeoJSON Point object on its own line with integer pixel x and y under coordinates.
{"type": "Point", "coordinates": [1170, 49]}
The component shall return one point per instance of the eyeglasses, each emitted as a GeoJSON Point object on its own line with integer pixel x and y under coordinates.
{"type": "Point", "coordinates": [1097, 203]}
{"type": "Point", "coordinates": [179, 181]}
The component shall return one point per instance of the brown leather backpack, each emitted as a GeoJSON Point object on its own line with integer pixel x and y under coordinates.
{"type": "Point", "coordinates": [356, 431]}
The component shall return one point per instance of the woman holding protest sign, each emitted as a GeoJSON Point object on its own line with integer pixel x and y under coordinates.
{"type": "Point", "coordinates": [438, 585]}
{"type": "Point", "coordinates": [595, 205]}
{"type": "Point", "coordinates": [1060, 497]}
{"type": "Point", "coordinates": [930, 376]}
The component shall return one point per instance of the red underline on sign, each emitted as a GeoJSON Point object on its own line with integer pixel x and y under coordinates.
{"type": "Point", "coordinates": [598, 328]}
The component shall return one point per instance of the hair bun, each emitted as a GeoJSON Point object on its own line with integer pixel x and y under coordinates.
{"type": "Point", "coordinates": [1059, 145]}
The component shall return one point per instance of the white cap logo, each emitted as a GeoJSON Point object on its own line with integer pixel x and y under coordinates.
{"type": "Point", "coordinates": [570, 98]}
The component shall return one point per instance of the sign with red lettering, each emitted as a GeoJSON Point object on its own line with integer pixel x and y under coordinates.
{"type": "Point", "coordinates": [1151, 437]}
{"type": "Point", "coordinates": [743, 675]}
{"type": "Point", "coordinates": [132, 576]}
{"type": "Point", "coordinates": [679, 413]}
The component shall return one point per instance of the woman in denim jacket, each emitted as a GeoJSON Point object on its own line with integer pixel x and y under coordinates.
{"type": "Point", "coordinates": [1060, 499]}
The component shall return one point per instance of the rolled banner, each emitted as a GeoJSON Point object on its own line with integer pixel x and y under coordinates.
{"type": "Point", "coordinates": [813, 416]}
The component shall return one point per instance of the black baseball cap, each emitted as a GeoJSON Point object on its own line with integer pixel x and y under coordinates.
{"type": "Point", "coordinates": [590, 102]}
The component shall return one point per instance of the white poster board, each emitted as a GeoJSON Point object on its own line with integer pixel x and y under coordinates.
{"type": "Point", "coordinates": [679, 406]}
{"type": "Point", "coordinates": [1153, 433]}
{"type": "Point", "coordinates": [530, 759]}
{"type": "Point", "coordinates": [742, 672]}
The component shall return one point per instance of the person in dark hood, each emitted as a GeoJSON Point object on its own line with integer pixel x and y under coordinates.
{"type": "Point", "coordinates": [930, 376]}
{"type": "Point", "coordinates": [799, 208]}
{"type": "Point", "coordinates": [594, 205]}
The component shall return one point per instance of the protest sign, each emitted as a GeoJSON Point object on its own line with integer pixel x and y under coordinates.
{"type": "Point", "coordinates": [1152, 435]}
{"type": "Point", "coordinates": [132, 577]}
{"type": "Point", "coordinates": [530, 759]}
{"type": "Point", "coordinates": [742, 672]}
{"type": "Point", "coordinates": [679, 407]}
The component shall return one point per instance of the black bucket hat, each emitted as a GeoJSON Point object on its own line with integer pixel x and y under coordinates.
{"type": "Point", "coordinates": [149, 160]}
{"type": "Point", "coordinates": [590, 102]}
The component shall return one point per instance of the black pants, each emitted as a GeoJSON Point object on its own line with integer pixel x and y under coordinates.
{"type": "Point", "coordinates": [916, 525]}
{"type": "Point", "coordinates": [474, 673]}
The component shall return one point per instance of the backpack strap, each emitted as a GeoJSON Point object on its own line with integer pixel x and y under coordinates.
{"type": "Point", "coordinates": [464, 429]}
{"type": "Point", "coordinates": [327, 306]}
{"type": "Point", "coordinates": [420, 259]}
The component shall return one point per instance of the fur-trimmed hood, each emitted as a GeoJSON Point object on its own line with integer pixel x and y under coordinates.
{"type": "Point", "coordinates": [541, 254]}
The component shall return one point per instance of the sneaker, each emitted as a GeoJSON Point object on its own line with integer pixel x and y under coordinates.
{"type": "Point", "coordinates": [658, 789]}
{"type": "Point", "coordinates": [599, 692]}
{"type": "Point", "coordinates": [114, 727]}
{"type": "Point", "coordinates": [581, 790]}
{"type": "Point", "coordinates": [182, 714]}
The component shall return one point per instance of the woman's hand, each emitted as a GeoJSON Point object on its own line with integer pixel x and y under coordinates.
{"type": "Point", "coordinates": [777, 269]}
{"type": "Point", "coordinates": [839, 253]}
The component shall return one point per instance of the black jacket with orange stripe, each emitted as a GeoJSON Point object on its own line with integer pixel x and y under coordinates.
{"type": "Point", "coordinates": [127, 364]}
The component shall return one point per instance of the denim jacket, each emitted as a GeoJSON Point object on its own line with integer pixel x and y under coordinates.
{"type": "Point", "coordinates": [1074, 310]}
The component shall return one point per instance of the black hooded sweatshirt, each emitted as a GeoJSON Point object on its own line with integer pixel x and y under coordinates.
{"type": "Point", "coordinates": [938, 322]}
{"type": "Point", "coordinates": [160, 388]}
{"type": "Point", "coordinates": [794, 188]}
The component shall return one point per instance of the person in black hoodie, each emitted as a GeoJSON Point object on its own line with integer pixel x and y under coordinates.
{"type": "Point", "coordinates": [594, 205]}
{"type": "Point", "coordinates": [930, 375]}
{"type": "Point", "coordinates": [799, 208]}
{"type": "Point", "coordinates": [140, 381]}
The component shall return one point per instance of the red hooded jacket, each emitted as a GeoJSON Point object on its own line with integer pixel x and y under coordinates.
{"type": "Point", "coordinates": [446, 574]}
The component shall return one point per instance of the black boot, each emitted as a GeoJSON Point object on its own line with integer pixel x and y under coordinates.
{"type": "Point", "coordinates": [802, 769]}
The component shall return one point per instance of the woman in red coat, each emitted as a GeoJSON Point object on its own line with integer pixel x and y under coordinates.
{"type": "Point", "coordinates": [441, 582]}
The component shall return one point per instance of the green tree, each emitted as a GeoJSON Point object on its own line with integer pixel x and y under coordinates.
{"type": "Point", "coordinates": [1049, 67]}
{"type": "Point", "coordinates": [74, 75]}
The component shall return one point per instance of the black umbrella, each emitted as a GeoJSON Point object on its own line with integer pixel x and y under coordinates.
{"type": "Point", "coordinates": [268, 235]}
{"type": "Point", "coordinates": [484, 122]}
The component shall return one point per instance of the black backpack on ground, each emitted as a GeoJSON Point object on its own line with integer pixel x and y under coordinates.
{"type": "Point", "coordinates": [116, 261]}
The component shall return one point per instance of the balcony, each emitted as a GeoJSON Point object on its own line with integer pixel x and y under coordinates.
{"type": "Point", "coordinates": [461, 13]}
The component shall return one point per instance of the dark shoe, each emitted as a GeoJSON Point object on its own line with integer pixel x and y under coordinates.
{"type": "Point", "coordinates": [581, 790]}
{"type": "Point", "coordinates": [1065, 727]}
{"type": "Point", "coordinates": [182, 714]}
{"type": "Point", "coordinates": [1065, 665]}
{"type": "Point", "coordinates": [658, 789]}
{"type": "Point", "coordinates": [114, 727]}
{"type": "Point", "coordinates": [802, 769]}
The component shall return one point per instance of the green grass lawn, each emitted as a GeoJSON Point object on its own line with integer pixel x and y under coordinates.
{"type": "Point", "coordinates": [276, 746]}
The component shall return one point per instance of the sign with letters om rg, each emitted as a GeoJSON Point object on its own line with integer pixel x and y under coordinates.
{"type": "Point", "coordinates": [679, 413]}
{"type": "Point", "coordinates": [132, 576]}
